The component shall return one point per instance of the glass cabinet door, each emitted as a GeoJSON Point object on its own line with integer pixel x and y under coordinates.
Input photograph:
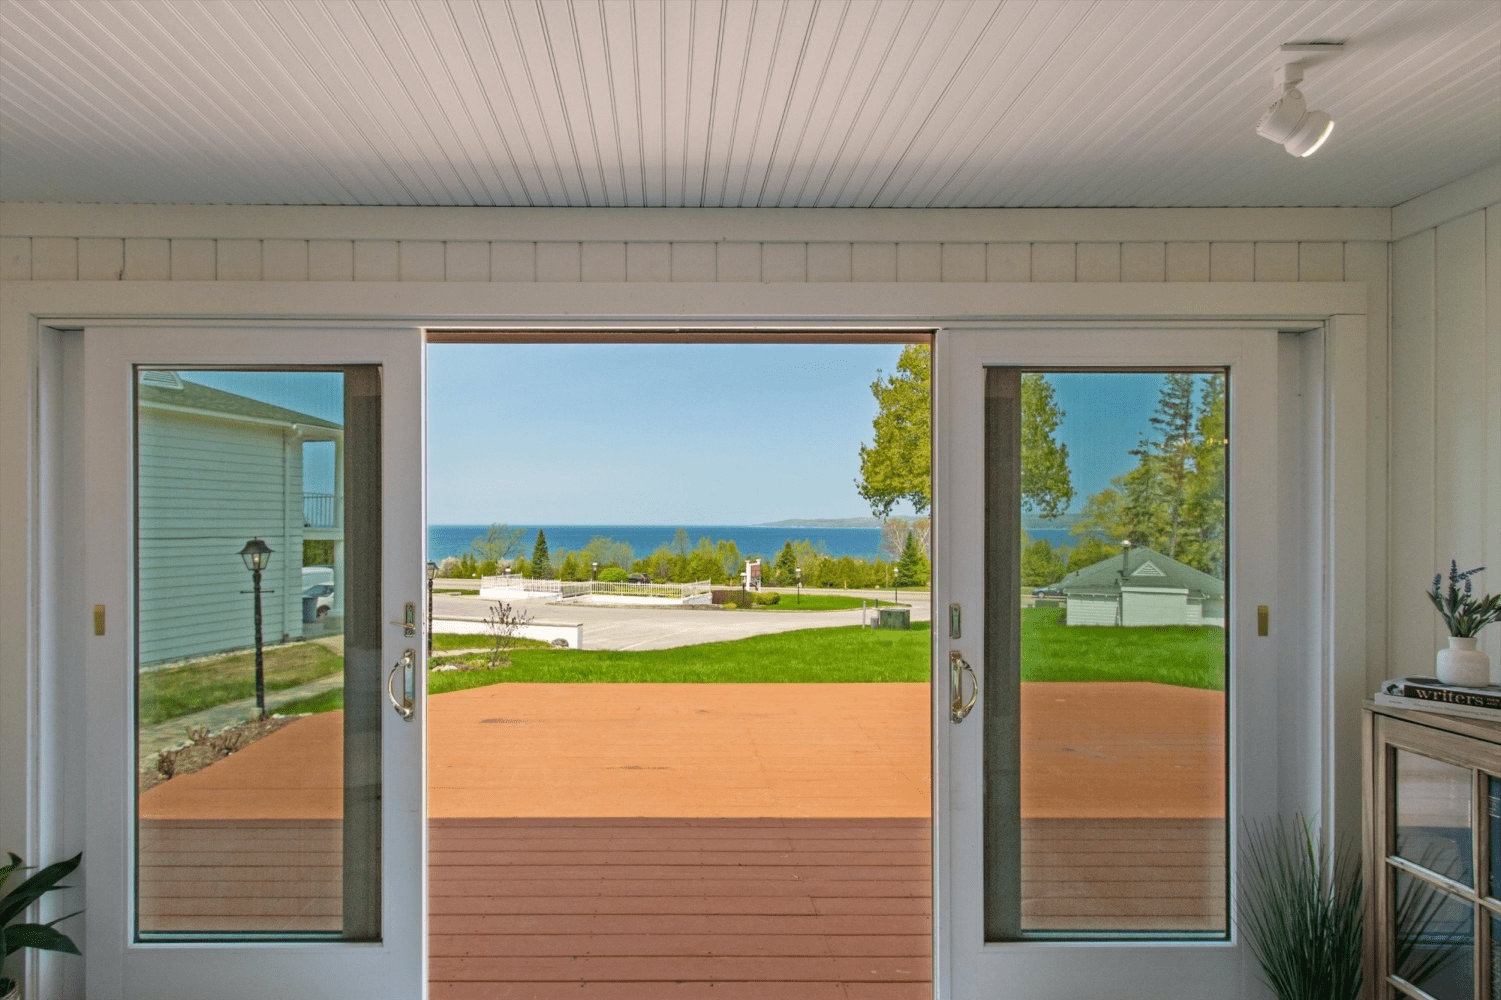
{"type": "Point", "coordinates": [1435, 914]}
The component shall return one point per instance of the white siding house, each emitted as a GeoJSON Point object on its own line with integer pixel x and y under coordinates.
{"type": "Point", "coordinates": [1141, 587]}
{"type": "Point", "coordinates": [215, 469]}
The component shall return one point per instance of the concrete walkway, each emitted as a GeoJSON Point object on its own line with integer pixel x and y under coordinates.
{"type": "Point", "coordinates": [668, 628]}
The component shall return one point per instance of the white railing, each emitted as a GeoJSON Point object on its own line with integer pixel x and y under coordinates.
{"type": "Point", "coordinates": [583, 588]}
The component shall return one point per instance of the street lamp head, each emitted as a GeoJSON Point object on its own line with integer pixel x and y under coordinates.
{"type": "Point", "coordinates": [432, 570]}
{"type": "Point", "coordinates": [257, 555]}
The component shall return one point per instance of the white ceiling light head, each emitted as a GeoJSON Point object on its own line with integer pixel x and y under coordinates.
{"type": "Point", "coordinates": [1288, 120]}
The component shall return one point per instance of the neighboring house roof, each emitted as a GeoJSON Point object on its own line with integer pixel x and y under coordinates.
{"type": "Point", "coordinates": [1146, 568]}
{"type": "Point", "coordinates": [166, 389]}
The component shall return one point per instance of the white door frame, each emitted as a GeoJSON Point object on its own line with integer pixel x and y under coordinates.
{"type": "Point", "coordinates": [117, 962]}
{"type": "Point", "coordinates": [34, 318]}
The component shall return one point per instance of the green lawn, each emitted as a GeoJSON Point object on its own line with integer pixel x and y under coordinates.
{"type": "Point", "coordinates": [820, 602]}
{"type": "Point", "coordinates": [1051, 651]}
{"type": "Point", "coordinates": [173, 691]}
{"type": "Point", "coordinates": [1182, 655]}
{"type": "Point", "coordinates": [453, 640]}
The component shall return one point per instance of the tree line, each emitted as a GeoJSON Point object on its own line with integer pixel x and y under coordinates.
{"type": "Point", "coordinates": [681, 560]}
{"type": "Point", "coordinates": [1172, 501]}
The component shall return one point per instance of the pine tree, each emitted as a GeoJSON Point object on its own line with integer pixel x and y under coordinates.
{"type": "Point", "coordinates": [784, 570]}
{"type": "Point", "coordinates": [541, 567]}
{"type": "Point", "coordinates": [912, 567]}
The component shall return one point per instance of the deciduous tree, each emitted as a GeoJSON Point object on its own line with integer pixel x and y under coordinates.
{"type": "Point", "coordinates": [498, 544]}
{"type": "Point", "coordinates": [897, 465]}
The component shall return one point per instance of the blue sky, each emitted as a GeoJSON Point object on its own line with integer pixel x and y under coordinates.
{"type": "Point", "coordinates": [673, 433]}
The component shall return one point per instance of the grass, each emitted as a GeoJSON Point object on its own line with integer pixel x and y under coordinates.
{"type": "Point", "coordinates": [823, 655]}
{"type": "Point", "coordinates": [1181, 655]}
{"type": "Point", "coordinates": [455, 590]}
{"type": "Point", "coordinates": [173, 691]}
{"type": "Point", "coordinates": [819, 602]}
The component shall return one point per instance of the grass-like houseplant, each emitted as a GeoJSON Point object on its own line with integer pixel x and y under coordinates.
{"type": "Point", "coordinates": [15, 935]}
{"type": "Point", "coordinates": [1302, 911]}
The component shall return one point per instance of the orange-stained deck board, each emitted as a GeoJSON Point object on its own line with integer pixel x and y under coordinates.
{"type": "Point", "coordinates": [627, 836]}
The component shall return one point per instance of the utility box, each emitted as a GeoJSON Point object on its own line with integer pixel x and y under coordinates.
{"type": "Point", "coordinates": [894, 618]}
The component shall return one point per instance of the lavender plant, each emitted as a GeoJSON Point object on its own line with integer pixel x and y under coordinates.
{"type": "Point", "coordinates": [1461, 610]}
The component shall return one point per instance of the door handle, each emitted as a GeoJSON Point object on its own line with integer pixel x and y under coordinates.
{"type": "Point", "coordinates": [958, 706]}
{"type": "Point", "coordinates": [407, 705]}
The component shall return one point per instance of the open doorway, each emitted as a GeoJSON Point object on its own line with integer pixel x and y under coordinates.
{"type": "Point", "coordinates": [670, 747]}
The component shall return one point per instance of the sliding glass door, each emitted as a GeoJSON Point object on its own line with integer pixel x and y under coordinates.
{"type": "Point", "coordinates": [255, 737]}
{"type": "Point", "coordinates": [1106, 541]}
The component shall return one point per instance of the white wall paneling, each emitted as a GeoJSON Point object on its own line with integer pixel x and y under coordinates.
{"type": "Point", "coordinates": [1445, 420]}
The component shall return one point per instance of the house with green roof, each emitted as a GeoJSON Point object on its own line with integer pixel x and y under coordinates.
{"type": "Point", "coordinates": [213, 470]}
{"type": "Point", "coordinates": [1141, 586]}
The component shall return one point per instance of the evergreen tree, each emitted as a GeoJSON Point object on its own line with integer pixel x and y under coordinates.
{"type": "Point", "coordinates": [784, 570]}
{"type": "Point", "coordinates": [912, 567]}
{"type": "Point", "coordinates": [570, 569]}
{"type": "Point", "coordinates": [541, 567]}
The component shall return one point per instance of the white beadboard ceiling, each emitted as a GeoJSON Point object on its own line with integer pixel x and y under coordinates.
{"type": "Point", "coordinates": [771, 103]}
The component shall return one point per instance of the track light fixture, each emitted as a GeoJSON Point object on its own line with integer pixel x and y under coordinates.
{"type": "Point", "coordinates": [1288, 120]}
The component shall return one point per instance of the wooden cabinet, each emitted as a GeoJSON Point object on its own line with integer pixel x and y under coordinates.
{"type": "Point", "coordinates": [1432, 856]}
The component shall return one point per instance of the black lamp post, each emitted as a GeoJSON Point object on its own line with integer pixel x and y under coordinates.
{"type": "Point", "coordinates": [432, 571]}
{"type": "Point", "coordinates": [799, 585]}
{"type": "Point", "coordinates": [594, 571]}
{"type": "Point", "coordinates": [257, 556]}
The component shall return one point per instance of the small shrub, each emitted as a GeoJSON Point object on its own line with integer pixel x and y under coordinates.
{"type": "Point", "coordinates": [560, 643]}
{"type": "Point", "coordinates": [767, 598]}
{"type": "Point", "coordinates": [229, 741]}
{"type": "Point", "coordinates": [613, 574]}
{"type": "Point", "coordinates": [166, 763]}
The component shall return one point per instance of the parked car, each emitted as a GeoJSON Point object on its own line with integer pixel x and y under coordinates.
{"type": "Point", "coordinates": [317, 592]}
{"type": "Point", "coordinates": [638, 578]}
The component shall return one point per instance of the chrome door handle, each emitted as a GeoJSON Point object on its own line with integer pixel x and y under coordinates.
{"type": "Point", "coordinates": [958, 706]}
{"type": "Point", "coordinates": [408, 665]}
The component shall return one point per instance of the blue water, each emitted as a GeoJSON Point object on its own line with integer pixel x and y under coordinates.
{"type": "Point", "coordinates": [445, 540]}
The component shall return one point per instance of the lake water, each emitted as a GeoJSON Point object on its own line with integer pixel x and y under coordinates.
{"type": "Point", "coordinates": [445, 540]}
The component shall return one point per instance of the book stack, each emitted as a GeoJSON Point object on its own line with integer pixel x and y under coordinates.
{"type": "Point", "coordinates": [1429, 694]}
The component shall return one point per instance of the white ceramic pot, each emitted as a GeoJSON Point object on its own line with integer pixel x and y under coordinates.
{"type": "Point", "coordinates": [1462, 664]}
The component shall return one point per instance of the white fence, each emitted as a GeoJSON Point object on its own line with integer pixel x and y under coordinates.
{"type": "Point", "coordinates": [510, 585]}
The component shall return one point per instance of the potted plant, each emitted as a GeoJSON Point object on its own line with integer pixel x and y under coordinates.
{"type": "Point", "coordinates": [15, 935]}
{"type": "Point", "coordinates": [1465, 615]}
{"type": "Point", "coordinates": [1302, 911]}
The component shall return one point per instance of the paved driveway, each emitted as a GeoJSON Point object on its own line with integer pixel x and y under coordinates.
{"type": "Point", "coordinates": [665, 628]}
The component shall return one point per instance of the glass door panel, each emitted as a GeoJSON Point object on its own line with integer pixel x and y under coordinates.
{"type": "Point", "coordinates": [255, 560]}
{"type": "Point", "coordinates": [1123, 655]}
{"type": "Point", "coordinates": [1092, 795]}
{"type": "Point", "coordinates": [241, 734]}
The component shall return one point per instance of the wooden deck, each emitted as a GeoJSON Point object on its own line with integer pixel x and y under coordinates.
{"type": "Point", "coordinates": [616, 836]}
{"type": "Point", "coordinates": [743, 908]}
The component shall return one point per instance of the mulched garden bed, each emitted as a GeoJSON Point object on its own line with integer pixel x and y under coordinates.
{"type": "Point", "coordinates": [205, 748]}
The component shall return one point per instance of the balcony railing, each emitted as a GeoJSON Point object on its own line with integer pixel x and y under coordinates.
{"type": "Point", "coordinates": [320, 510]}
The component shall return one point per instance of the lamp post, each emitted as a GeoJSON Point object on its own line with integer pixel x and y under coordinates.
{"type": "Point", "coordinates": [432, 571]}
{"type": "Point", "coordinates": [799, 585]}
{"type": "Point", "coordinates": [257, 556]}
{"type": "Point", "coordinates": [594, 571]}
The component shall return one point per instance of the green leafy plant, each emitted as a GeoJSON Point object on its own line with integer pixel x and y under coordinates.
{"type": "Point", "coordinates": [1302, 911]}
{"type": "Point", "coordinates": [1461, 610]}
{"type": "Point", "coordinates": [43, 937]}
